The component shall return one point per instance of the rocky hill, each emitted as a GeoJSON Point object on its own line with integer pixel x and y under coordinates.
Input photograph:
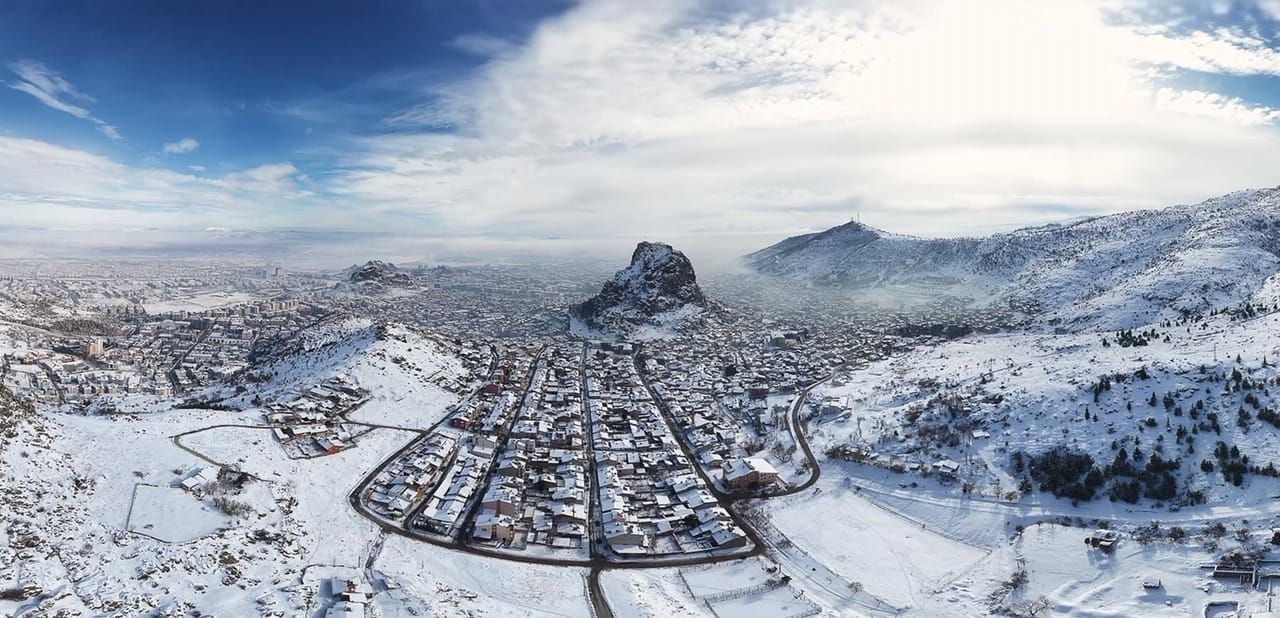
{"type": "Point", "coordinates": [378, 272]}
{"type": "Point", "coordinates": [656, 295]}
{"type": "Point", "coordinates": [400, 362]}
{"type": "Point", "coordinates": [1117, 271]}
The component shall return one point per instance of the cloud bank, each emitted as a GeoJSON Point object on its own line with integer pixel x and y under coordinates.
{"type": "Point", "coordinates": [622, 119]}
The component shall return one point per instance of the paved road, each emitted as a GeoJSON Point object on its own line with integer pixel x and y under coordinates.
{"type": "Point", "coordinates": [798, 433]}
{"type": "Point", "coordinates": [596, 562]}
{"type": "Point", "coordinates": [595, 594]}
{"type": "Point", "coordinates": [468, 520]}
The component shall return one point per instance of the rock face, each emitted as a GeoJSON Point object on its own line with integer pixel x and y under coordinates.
{"type": "Point", "coordinates": [656, 295]}
{"type": "Point", "coordinates": [376, 271]}
{"type": "Point", "coordinates": [1113, 272]}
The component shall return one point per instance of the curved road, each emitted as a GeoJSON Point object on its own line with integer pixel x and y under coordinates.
{"type": "Point", "coordinates": [596, 563]}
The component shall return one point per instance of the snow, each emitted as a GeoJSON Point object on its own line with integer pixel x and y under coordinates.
{"type": "Point", "coordinates": [893, 558]}
{"type": "Point", "coordinates": [402, 367]}
{"type": "Point", "coordinates": [726, 577]}
{"type": "Point", "coordinates": [776, 603]}
{"type": "Point", "coordinates": [648, 593]}
{"type": "Point", "coordinates": [1077, 581]}
{"type": "Point", "coordinates": [197, 302]}
{"type": "Point", "coordinates": [1089, 274]}
{"type": "Point", "coordinates": [454, 583]}
{"type": "Point", "coordinates": [78, 474]}
{"type": "Point", "coordinates": [1045, 383]}
{"type": "Point", "coordinates": [172, 515]}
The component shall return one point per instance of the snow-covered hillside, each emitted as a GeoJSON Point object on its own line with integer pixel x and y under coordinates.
{"type": "Point", "coordinates": [86, 500]}
{"type": "Point", "coordinates": [656, 295]}
{"type": "Point", "coordinates": [1181, 414]}
{"type": "Point", "coordinates": [1118, 271]}
{"type": "Point", "coordinates": [407, 370]}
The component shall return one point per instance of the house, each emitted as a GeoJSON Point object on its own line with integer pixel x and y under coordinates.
{"type": "Point", "coordinates": [748, 473]}
{"type": "Point", "coordinates": [202, 477]}
{"type": "Point", "coordinates": [501, 500]}
{"type": "Point", "coordinates": [351, 591]}
{"type": "Point", "coordinates": [619, 533]}
{"type": "Point", "coordinates": [729, 537]}
{"type": "Point", "coordinates": [491, 526]}
{"type": "Point", "coordinates": [1104, 540]}
{"type": "Point", "coordinates": [946, 468]}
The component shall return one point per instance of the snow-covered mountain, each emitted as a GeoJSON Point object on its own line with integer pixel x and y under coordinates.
{"type": "Point", "coordinates": [375, 274]}
{"type": "Point", "coordinates": [656, 295]}
{"type": "Point", "coordinates": [1117, 271]}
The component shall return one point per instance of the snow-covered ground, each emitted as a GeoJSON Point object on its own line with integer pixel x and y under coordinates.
{"type": "Point", "coordinates": [73, 487]}
{"type": "Point", "coordinates": [893, 558]}
{"type": "Point", "coordinates": [880, 531]}
{"type": "Point", "coordinates": [1031, 392]}
{"type": "Point", "coordinates": [458, 584]}
{"type": "Point", "coordinates": [197, 302]}
{"type": "Point", "coordinates": [173, 515]}
{"type": "Point", "coordinates": [1074, 581]}
{"type": "Point", "coordinates": [649, 593]}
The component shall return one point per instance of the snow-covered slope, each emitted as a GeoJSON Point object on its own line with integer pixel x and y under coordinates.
{"type": "Point", "coordinates": [1118, 271]}
{"type": "Point", "coordinates": [656, 295]}
{"type": "Point", "coordinates": [1182, 390]}
{"type": "Point", "coordinates": [407, 370]}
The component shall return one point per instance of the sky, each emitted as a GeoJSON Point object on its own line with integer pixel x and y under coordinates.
{"type": "Point", "coordinates": [346, 131]}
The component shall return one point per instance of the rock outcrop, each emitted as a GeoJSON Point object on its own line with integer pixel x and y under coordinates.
{"type": "Point", "coordinates": [657, 295]}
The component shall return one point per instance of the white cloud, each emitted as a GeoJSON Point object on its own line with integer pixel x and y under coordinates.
{"type": "Point", "coordinates": [1271, 8]}
{"type": "Point", "coordinates": [42, 184]}
{"type": "Point", "coordinates": [277, 178]}
{"type": "Point", "coordinates": [51, 89]}
{"type": "Point", "coordinates": [625, 118]}
{"type": "Point", "coordinates": [181, 146]}
{"type": "Point", "coordinates": [622, 119]}
{"type": "Point", "coordinates": [1212, 104]}
{"type": "Point", "coordinates": [1212, 52]}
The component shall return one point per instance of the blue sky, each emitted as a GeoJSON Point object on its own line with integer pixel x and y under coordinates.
{"type": "Point", "coordinates": [403, 128]}
{"type": "Point", "coordinates": [252, 82]}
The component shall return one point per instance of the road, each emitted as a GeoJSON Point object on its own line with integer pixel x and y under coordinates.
{"type": "Point", "coordinates": [802, 440]}
{"type": "Point", "coordinates": [468, 520]}
{"type": "Point", "coordinates": [595, 594]}
{"type": "Point", "coordinates": [838, 590]}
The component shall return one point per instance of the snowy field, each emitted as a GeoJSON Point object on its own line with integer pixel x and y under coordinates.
{"type": "Point", "coordinates": [648, 593]}
{"type": "Point", "coordinates": [891, 557]}
{"type": "Point", "coordinates": [197, 302]}
{"type": "Point", "coordinates": [173, 515]}
{"type": "Point", "coordinates": [776, 603]}
{"type": "Point", "coordinates": [1077, 581]}
{"type": "Point", "coordinates": [718, 579]}
{"type": "Point", "coordinates": [458, 584]}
